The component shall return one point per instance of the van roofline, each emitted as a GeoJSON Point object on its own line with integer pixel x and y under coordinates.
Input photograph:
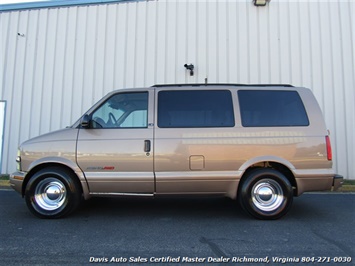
{"type": "Point", "coordinates": [220, 84]}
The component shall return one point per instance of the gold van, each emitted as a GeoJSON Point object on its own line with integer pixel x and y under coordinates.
{"type": "Point", "coordinates": [259, 144]}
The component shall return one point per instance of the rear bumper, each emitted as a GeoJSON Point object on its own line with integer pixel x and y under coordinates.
{"type": "Point", "coordinates": [337, 182]}
{"type": "Point", "coordinates": [16, 180]}
{"type": "Point", "coordinates": [311, 183]}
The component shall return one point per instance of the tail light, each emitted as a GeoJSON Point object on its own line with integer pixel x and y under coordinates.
{"type": "Point", "coordinates": [329, 148]}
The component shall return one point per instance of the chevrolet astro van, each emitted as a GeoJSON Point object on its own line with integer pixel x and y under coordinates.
{"type": "Point", "coordinates": [259, 144]}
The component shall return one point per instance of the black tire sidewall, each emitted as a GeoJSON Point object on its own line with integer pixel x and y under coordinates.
{"type": "Point", "coordinates": [245, 193]}
{"type": "Point", "coordinates": [71, 192]}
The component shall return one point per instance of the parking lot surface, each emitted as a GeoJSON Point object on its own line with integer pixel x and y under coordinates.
{"type": "Point", "coordinates": [178, 231]}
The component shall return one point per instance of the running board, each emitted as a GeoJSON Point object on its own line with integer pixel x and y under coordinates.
{"type": "Point", "coordinates": [102, 194]}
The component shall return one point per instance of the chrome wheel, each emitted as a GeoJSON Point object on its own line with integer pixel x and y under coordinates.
{"type": "Point", "coordinates": [267, 195]}
{"type": "Point", "coordinates": [53, 192]}
{"type": "Point", "coordinates": [50, 194]}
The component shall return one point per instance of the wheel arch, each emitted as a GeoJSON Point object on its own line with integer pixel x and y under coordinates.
{"type": "Point", "coordinates": [279, 164]}
{"type": "Point", "coordinates": [47, 164]}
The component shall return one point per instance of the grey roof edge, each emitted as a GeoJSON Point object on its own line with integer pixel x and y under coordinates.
{"type": "Point", "coordinates": [58, 3]}
{"type": "Point", "coordinates": [220, 84]}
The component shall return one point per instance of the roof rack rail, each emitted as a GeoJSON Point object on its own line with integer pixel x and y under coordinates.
{"type": "Point", "coordinates": [221, 84]}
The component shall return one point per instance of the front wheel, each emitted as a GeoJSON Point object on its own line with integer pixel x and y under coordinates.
{"type": "Point", "coordinates": [265, 194]}
{"type": "Point", "coordinates": [52, 193]}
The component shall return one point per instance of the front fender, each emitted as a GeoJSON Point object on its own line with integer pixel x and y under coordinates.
{"type": "Point", "coordinates": [57, 161]}
{"type": "Point", "coordinates": [54, 160]}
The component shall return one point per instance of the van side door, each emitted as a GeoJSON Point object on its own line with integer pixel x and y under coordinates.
{"type": "Point", "coordinates": [115, 152]}
{"type": "Point", "coordinates": [193, 139]}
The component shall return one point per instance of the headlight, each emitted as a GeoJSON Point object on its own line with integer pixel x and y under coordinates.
{"type": "Point", "coordinates": [18, 160]}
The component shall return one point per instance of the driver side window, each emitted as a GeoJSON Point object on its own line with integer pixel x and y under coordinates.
{"type": "Point", "coordinates": [122, 110]}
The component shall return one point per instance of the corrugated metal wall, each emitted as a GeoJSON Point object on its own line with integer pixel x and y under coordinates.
{"type": "Point", "coordinates": [55, 63]}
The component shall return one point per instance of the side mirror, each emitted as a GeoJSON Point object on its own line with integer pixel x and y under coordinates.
{"type": "Point", "coordinates": [85, 121]}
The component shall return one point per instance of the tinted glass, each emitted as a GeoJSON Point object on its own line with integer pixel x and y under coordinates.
{"type": "Point", "coordinates": [271, 108]}
{"type": "Point", "coordinates": [195, 108]}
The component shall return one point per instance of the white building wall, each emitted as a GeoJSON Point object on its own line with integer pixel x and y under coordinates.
{"type": "Point", "coordinates": [56, 62]}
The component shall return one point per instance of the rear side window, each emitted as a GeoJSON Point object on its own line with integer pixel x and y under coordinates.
{"type": "Point", "coordinates": [261, 108]}
{"type": "Point", "coordinates": [195, 108]}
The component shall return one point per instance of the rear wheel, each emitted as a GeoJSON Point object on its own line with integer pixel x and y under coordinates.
{"type": "Point", "coordinates": [265, 194]}
{"type": "Point", "coordinates": [52, 193]}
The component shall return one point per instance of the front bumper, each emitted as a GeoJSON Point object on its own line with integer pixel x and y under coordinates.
{"type": "Point", "coordinates": [16, 180]}
{"type": "Point", "coordinates": [337, 182]}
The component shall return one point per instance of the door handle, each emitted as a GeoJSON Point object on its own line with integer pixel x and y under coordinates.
{"type": "Point", "coordinates": [147, 146]}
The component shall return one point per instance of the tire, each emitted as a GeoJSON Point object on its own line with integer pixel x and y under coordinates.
{"type": "Point", "coordinates": [265, 194]}
{"type": "Point", "coordinates": [52, 193]}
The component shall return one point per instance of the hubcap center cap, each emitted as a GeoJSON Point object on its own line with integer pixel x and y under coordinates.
{"type": "Point", "coordinates": [265, 193]}
{"type": "Point", "coordinates": [53, 192]}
